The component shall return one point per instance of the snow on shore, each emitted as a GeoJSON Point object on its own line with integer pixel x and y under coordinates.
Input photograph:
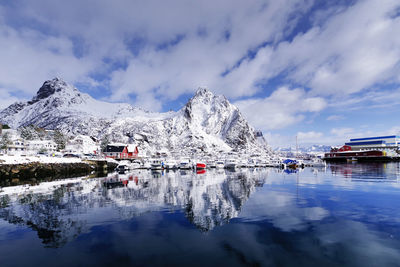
{"type": "Point", "coordinates": [8, 159]}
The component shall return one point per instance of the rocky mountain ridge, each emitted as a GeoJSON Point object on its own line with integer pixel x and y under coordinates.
{"type": "Point", "coordinates": [206, 123]}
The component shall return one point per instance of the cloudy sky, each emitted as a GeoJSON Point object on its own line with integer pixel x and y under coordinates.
{"type": "Point", "coordinates": [325, 71]}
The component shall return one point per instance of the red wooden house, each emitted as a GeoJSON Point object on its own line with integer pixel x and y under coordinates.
{"type": "Point", "coordinates": [121, 151]}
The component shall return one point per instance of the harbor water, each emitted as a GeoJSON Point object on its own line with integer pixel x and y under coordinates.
{"type": "Point", "coordinates": [342, 215]}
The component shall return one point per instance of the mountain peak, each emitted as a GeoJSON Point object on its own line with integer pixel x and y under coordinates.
{"type": "Point", "coordinates": [203, 91]}
{"type": "Point", "coordinates": [49, 87]}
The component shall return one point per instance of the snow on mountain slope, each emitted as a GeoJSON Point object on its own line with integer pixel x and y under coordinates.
{"type": "Point", "coordinates": [207, 122]}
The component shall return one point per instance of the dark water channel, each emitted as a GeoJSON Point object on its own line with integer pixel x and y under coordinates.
{"type": "Point", "coordinates": [344, 215]}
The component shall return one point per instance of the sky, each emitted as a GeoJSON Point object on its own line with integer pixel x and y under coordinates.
{"type": "Point", "coordinates": [324, 71]}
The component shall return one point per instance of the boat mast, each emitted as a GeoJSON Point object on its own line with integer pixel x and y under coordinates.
{"type": "Point", "coordinates": [297, 148]}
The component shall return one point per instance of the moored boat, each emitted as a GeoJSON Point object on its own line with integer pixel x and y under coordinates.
{"type": "Point", "coordinates": [170, 164]}
{"type": "Point", "coordinates": [200, 165]}
{"type": "Point", "coordinates": [123, 165]}
{"type": "Point", "coordinates": [220, 164]}
{"type": "Point", "coordinates": [185, 163]}
{"type": "Point", "coordinates": [156, 164]}
{"type": "Point", "coordinates": [230, 163]}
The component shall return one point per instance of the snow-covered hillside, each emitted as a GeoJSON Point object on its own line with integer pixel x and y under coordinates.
{"type": "Point", "coordinates": [206, 123]}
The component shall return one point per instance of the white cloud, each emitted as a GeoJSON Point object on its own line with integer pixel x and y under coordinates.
{"type": "Point", "coordinates": [347, 50]}
{"type": "Point", "coordinates": [335, 118]}
{"type": "Point", "coordinates": [214, 37]}
{"type": "Point", "coordinates": [309, 136]}
{"type": "Point", "coordinates": [6, 99]}
{"type": "Point", "coordinates": [28, 58]}
{"type": "Point", "coordinates": [350, 52]}
{"type": "Point", "coordinates": [282, 108]}
{"type": "Point", "coordinates": [342, 132]}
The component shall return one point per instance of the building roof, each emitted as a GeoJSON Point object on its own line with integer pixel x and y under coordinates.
{"type": "Point", "coordinates": [132, 148]}
{"type": "Point", "coordinates": [374, 138]}
{"type": "Point", "coordinates": [114, 149]}
{"type": "Point", "coordinates": [366, 143]}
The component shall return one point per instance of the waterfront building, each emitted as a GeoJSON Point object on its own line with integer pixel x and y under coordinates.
{"type": "Point", "coordinates": [377, 143]}
{"type": "Point", "coordinates": [121, 151]}
{"type": "Point", "coordinates": [369, 148]}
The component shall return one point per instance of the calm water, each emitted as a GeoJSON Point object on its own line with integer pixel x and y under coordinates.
{"type": "Point", "coordinates": [346, 215]}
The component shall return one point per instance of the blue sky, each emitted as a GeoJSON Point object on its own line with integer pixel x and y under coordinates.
{"type": "Point", "coordinates": [325, 71]}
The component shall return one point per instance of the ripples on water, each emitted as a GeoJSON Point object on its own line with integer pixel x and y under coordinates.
{"type": "Point", "coordinates": [345, 215]}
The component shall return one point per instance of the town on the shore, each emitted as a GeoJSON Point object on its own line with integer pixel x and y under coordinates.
{"type": "Point", "coordinates": [32, 143]}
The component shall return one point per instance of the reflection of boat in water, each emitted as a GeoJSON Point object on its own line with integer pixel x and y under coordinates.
{"type": "Point", "coordinates": [290, 170]}
{"type": "Point", "coordinates": [200, 171]}
{"type": "Point", "coordinates": [352, 159]}
{"type": "Point", "coordinates": [113, 183]}
{"type": "Point", "coordinates": [318, 163]}
{"type": "Point", "coordinates": [156, 173]}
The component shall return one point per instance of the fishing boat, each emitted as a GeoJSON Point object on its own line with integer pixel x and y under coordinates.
{"type": "Point", "coordinates": [170, 164]}
{"type": "Point", "coordinates": [185, 163]}
{"type": "Point", "coordinates": [316, 163]}
{"type": "Point", "coordinates": [156, 164]}
{"type": "Point", "coordinates": [211, 163]}
{"type": "Point", "coordinates": [135, 165]}
{"type": "Point", "coordinates": [231, 163]}
{"type": "Point", "coordinates": [200, 165]}
{"type": "Point", "coordinates": [123, 165]}
{"type": "Point", "coordinates": [220, 164]}
{"type": "Point", "coordinates": [250, 163]}
{"type": "Point", "coordinates": [291, 163]}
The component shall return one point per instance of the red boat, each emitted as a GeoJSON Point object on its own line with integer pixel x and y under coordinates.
{"type": "Point", "coordinates": [200, 165]}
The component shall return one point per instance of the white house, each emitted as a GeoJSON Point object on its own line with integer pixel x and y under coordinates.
{"type": "Point", "coordinates": [17, 145]}
{"type": "Point", "coordinates": [41, 145]}
{"type": "Point", "coordinates": [82, 144]}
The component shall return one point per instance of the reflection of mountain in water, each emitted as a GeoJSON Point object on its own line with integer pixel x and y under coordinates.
{"type": "Point", "coordinates": [59, 211]}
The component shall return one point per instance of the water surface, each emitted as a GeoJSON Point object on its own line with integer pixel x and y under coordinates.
{"type": "Point", "coordinates": [345, 215]}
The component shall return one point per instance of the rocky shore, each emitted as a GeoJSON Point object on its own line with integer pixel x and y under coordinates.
{"type": "Point", "coordinates": [14, 174]}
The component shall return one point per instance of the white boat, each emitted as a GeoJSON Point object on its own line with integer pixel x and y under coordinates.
{"type": "Point", "coordinates": [185, 163]}
{"type": "Point", "coordinates": [123, 165]}
{"type": "Point", "coordinates": [135, 165]}
{"type": "Point", "coordinates": [231, 163]}
{"type": "Point", "coordinates": [156, 164]}
{"type": "Point", "coordinates": [170, 164]}
{"type": "Point", "coordinates": [276, 162]}
{"type": "Point", "coordinates": [264, 162]}
{"type": "Point", "coordinates": [220, 164]}
{"type": "Point", "coordinates": [211, 163]}
{"type": "Point", "coordinates": [242, 163]}
{"type": "Point", "coordinates": [250, 163]}
{"type": "Point", "coordinates": [146, 165]}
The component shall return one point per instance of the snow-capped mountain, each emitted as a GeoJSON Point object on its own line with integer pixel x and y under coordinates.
{"type": "Point", "coordinates": [207, 122]}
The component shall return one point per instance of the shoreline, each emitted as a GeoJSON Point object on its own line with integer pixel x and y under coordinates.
{"type": "Point", "coordinates": [33, 172]}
